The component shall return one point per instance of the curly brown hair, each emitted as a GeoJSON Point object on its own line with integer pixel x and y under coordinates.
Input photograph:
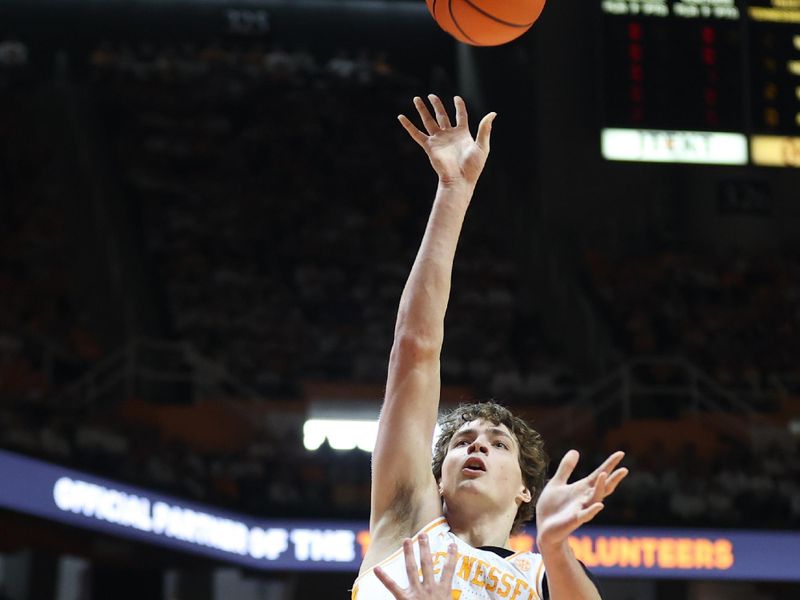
{"type": "Point", "coordinates": [532, 457]}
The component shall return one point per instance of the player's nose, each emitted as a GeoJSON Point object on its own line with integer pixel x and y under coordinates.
{"type": "Point", "coordinates": [478, 446]}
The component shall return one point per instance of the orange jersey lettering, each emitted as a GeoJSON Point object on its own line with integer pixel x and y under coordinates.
{"type": "Point", "coordinates": [480, 574]}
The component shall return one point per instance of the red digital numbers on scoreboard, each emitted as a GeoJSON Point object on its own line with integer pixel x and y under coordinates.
{"type": "Point", "coordinates": [708, 52]}
{"type": "Point", "coordinates": [672, 65]}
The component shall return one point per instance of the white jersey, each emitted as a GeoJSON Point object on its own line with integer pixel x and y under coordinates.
{"type": "Point", "coordinates": [480, 574]}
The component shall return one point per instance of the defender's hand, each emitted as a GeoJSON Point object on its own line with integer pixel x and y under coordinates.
{"type": "Point", "coordinates": [563, 507]}
{"type": "Point", "coordinates": [428, 588]}
{"type": "Point", "coordinates": [455, 156]}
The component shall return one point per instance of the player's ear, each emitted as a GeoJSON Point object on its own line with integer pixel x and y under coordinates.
{"type": "Point", "coordinates": [525, 495]}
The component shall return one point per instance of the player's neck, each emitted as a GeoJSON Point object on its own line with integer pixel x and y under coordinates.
{"type": "Point", "coordinates": [480, 529]}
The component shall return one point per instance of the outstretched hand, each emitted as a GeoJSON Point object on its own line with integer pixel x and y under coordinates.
{"type": "Point", "coordinates": [455, 155]}
{"type": "Point", "coordinates": [563, 507]}
{"type": "Point", "coordinates": [428, 588]}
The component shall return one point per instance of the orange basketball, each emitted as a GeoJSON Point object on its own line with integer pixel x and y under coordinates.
{"type": "Point", "coordinates": [485, 22]}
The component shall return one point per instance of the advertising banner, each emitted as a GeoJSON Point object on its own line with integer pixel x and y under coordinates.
{"type": "Point", "coordinates": [68, 496]}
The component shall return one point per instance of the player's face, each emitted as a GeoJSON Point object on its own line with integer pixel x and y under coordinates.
{"type": "Point", "coordinates": [483, 460]}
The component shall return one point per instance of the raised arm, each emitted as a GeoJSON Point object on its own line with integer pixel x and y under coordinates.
{"type": "Point", "coordinates": [404, 493]}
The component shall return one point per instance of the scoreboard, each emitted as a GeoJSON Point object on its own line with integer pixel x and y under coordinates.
{"type": "Point", "coordinates": [701, 81]}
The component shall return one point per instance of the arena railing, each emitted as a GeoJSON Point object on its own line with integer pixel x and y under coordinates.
{"type": "Point", "coordinates": [164, 371]}
{"type": "Point", "coordinates": [625, 394]}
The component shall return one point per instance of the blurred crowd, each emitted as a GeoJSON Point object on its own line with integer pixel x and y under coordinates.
{"type": "Point", "coordinates": [237, 63]}
{"type": "Point", "coordinates": [281, 206]}
{"type": "Point", "coordinates": [738, 317]}
{"type": "Point", "coordinates": [742, 485]}
{"type": "Point", "coordinates": [279, 199]}
{"type": "Point", "coordinates": [45, 338]}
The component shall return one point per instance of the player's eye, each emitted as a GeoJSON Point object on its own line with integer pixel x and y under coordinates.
{"type": "Point", "coordinates": [459, 443]}
{"type": "Point", "coordinates": [501, 444]}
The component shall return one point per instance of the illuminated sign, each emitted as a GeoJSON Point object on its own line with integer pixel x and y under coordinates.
{"type": "Point", "coordinates": [775, 151]}
{"type": "Point", "coordinates": [82, 500]}
{"type": "Point", "coordinates": [649, 145]}
{"type": "Point", "coordinates": [654, 8]}
{"type": "Point", "coordinates": [687, 553]}
{"type": "Point", "coordinates": [78, 499]}
{"type": "Point", "coordinates": [772, 14]}
{"type": "Point", "coordinates": [342, 434]}
{"type": "Point", "coordinates": [346, 434]}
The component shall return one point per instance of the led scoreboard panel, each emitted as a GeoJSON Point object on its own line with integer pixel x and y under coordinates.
{"type": "Point", "coordinates": [702, 81]}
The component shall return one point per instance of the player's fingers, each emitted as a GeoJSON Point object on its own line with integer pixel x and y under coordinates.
{"type": "Point", "coordinates": [425, 560]}
{"type": "Point", "coordinates": [461, 112]}
{"type": "Point", "coordinates": [599, 488]}
{"type": "Point", "coordinates": [412, 130]}
{"type": "Point", "coordinates": [485, 131]}
{"type": "Point", "coordinates": [442, 118]}
{"type": "Point", "coordinates": [450, 566]}
{"type": "Point", "coordinates": [566, 466]}
{"type": "Point", "coordinates": [608, 465]}
{"type": "Point", "coordinates": [411, 564]}
{"type": "Point", "coordinates": [614, 480]}
{"type": "Point", "coordinates": [590, 512]}
{"type": "Point", "coordinates": [427, 120]}
{"type": "Point", "coordinates": [389, 583]}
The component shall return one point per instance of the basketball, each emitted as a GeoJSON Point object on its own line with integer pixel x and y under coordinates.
{"type": "Point", "coordinates": [485, 22]}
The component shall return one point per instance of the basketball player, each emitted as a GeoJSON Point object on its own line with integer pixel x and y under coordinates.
{"type": "Point", "coordinates": [488, 466]}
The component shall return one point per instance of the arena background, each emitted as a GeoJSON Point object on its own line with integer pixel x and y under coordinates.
{"type": "Point", "coordinates": [208, 214]}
